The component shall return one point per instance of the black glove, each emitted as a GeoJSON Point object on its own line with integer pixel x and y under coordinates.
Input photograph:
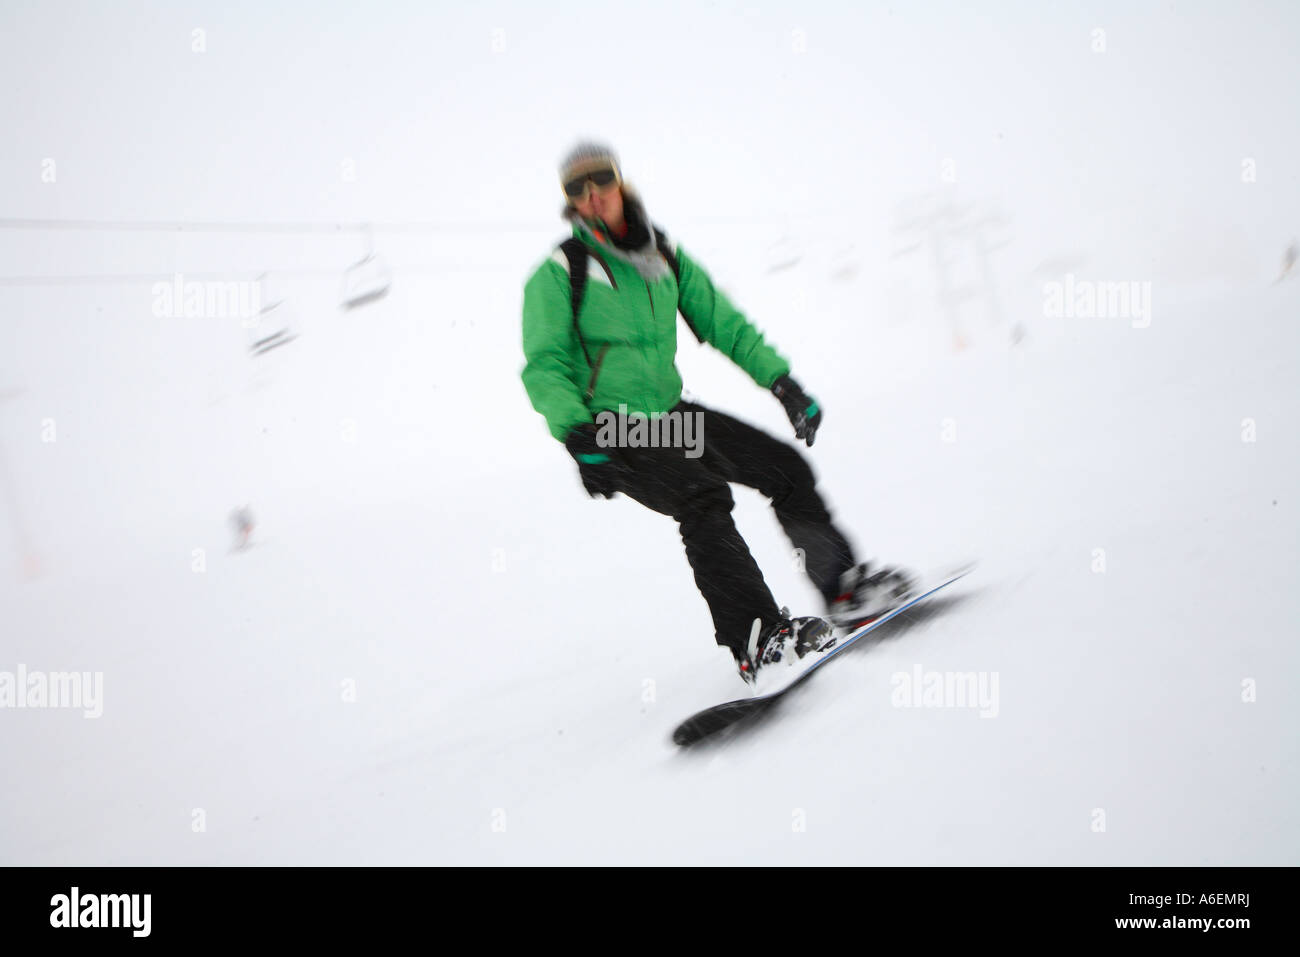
{"type": "Point", "coordinates": [805, 415]}
{"type": "Point", "coordinates": [600, 468]}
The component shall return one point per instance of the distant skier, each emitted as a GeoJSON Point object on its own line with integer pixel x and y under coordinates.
{"type": "Point", "coordinates": [241, 520]}
{"type": "Point", "coordinates": [617, 355]}
{"type": "Point", "coordinates": [1288, 261]}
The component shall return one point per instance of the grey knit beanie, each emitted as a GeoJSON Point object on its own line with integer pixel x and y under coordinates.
{"type": "Point", "coordinates": [584, 154]}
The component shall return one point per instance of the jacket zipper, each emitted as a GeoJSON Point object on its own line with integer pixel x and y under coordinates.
{"type": "Point", "coordinates": [600, 357]}
{"type": "Point", "coordinates": [595, 371]}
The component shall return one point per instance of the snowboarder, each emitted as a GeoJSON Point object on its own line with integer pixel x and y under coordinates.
{"type": "Point", "coordinates": [614, 356]}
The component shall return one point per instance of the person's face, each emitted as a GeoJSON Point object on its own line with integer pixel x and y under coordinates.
{"type": "Point", "coordinates": [600, 202]}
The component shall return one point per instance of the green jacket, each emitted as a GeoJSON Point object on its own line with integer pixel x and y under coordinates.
{"type": "Point", "coordinates": [634, 324]}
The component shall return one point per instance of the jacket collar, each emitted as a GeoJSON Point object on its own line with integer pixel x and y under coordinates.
{"type": "Point", "coordinates": [637, 247]}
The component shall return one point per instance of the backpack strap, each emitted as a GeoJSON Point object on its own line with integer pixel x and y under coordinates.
{"type": "Point", "coordinates": [576, 252]}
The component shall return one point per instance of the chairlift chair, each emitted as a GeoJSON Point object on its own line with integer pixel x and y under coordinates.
{"type": "Point", "coordinates": [366, 280]}
{"type": "Point", "coordinates": [272, 328]}
{"type": "Point", "coordinates": [783, 254]}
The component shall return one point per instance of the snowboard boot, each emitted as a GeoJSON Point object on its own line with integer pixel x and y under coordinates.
{"type": "Point", "coordinates": [866, 593]}
{"type": "Point", "coordinates": [784, 643]}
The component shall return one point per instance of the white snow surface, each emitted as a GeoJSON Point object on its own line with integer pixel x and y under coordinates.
{"type": "Point", "coordinates": [519, 653]}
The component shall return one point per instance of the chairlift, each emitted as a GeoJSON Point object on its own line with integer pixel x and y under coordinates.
{"type": "Point", "coordinates": [366, 280]}
{"type": "Point", "coordinates": [782, 255]}
{"type": "Point", "coordinates": [845, 265]}
{"type": "Point", "coordinates": [23, 541]}
{"type": "Point", "coordinates": [272, 328]}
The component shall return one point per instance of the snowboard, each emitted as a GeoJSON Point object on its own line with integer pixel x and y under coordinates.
{"type": "Point", "coordinates": [720, 716]}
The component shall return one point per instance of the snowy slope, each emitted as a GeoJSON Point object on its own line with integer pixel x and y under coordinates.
{"type": "Point", "coordinates": [519, 653]}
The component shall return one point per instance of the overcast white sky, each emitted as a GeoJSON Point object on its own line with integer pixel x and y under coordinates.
{"type": "Point", "coordinates": [719, 110]}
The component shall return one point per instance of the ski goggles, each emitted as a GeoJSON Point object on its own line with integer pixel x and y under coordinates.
{"type": "Point", "coordinates": [602, 176]}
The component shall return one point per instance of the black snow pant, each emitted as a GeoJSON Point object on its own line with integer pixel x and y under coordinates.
{"type": "Point", "coordinates": [695, 492]}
